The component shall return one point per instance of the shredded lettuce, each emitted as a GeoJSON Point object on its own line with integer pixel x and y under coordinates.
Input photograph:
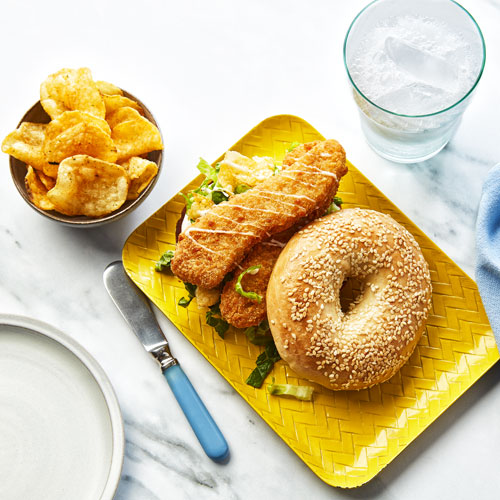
{"type": "Point", "coordinates": [219, 197]}
{"type": "Point", "coordinates": [209, 188]}
{"type": "Point", "coordinates": [332, 208]}
{"type": "Point", "coordinates": [214, 319]}
{"type": "Point", "coordinates": [265, 363]}
{"type": "Point", "coordinates": [241, 188]}
{"type": "Point", "coordinates": [207, 170]}
{"type": "Point", "coordinates": [163, 265]}
{"type": "Point", "coordinates": [191, 289]}
{"type": "Point", "coordinates": [292, 146]}
{"type": "Point", "coordinates": [239, 288]}
{"type": "Point", "coordinates": [260, 334]}
{"type": "Point", "coordinates": [335, 206]}
{"type": "Point", "coordinates": [302, 392]}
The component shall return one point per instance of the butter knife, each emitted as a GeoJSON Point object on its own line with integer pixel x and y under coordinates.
{"type": "Point", "coordinates": [135, 308]}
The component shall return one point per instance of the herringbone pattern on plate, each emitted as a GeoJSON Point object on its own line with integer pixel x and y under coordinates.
{"type": "Point", "coordinates": [346, 438]}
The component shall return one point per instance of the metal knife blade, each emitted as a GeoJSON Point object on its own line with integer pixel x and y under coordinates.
{"type": "Point", "coordinates": [134, 307]}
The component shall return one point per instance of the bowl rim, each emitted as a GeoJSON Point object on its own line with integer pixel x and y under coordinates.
{"type": "Point", "coordinates": [82, 220]}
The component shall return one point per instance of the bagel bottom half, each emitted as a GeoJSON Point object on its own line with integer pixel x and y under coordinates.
{"type": "Point", "coordinates": [370, 341]}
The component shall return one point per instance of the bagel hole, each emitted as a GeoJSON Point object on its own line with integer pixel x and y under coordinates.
{"type": "Point", "coordinates": [351, 289]}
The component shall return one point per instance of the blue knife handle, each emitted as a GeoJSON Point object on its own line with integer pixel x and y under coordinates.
{"type": "Point", "coordinates": [206, 430]}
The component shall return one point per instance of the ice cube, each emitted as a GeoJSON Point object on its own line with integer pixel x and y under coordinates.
{"type": "Point", "coordinates": [415, 99]}
{"type": "Point", "coordinates": [420, 64]}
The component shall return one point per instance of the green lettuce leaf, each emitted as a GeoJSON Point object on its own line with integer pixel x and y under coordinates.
{"type": "Point", "coordinates": [260, 334]}
{"type": "Point", "coordinates": [219, 196]}
{"type": "Point", "coordinates": [207, 170]}
{"type": "Point", "coordinates": [241, 188]}
{"type": "Point", "coordinates": [239, 288]}
{"type": "Point", "coordinates": [213, 318]}
{"type": "Point", "coordinates": [335, 206]}
{"type": "Point", "coordinates": [265, 363]}
{"type": "Point", "coordinates": [191, 289]}
{"type": "Point", "coordinates": [302, 392]}
{"type": "Point", "coordinates": [163, 265]}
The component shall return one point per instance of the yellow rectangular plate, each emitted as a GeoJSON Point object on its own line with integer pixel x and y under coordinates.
{"type": "Point", "coordinates": [347, 437]}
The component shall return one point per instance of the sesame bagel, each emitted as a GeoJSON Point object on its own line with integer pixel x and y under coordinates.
{"type": "Point", "coordinates": [369, 342]}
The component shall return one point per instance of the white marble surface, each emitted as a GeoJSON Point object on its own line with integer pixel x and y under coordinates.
{"type": "Point", "coordinates": [210, 71]}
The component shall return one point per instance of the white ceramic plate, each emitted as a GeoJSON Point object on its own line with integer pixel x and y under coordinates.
{"type": "Point", "coordinates": [61, 430]}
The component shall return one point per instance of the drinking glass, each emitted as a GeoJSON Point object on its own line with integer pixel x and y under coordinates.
{"type": "Point", "coordinates": [396, 125]}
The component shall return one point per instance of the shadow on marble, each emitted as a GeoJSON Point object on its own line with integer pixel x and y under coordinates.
{"type": "Point", "coordinates": [103, 238]}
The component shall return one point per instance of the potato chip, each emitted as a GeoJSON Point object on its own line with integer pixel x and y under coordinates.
{"type": "Point", "coordinates": [71, 118]}
{"type": "Point", "coordinates": [72, 161]}
{"type": "Point", "coordinates": [121, 115]}
{"type": "Point", "coordinates": [37, 191]}
{"type": "Point", "coordinates": [48, 182]}
{"type": "Point", "coordinates": [140, 173]}
{"type": "Point", "coordinates": [114, 102]}
{"type": "Point", "coordinates": [108, 88]}
{"type": "Point", "coordinates": [135, 136]}
{"type": "Point", "coordinates": [25, 144]}
{"type": "Point", "coordinates": [50, 170]}
{"type": "Point", "coordinates": [83, 138]}
{"type": "Point", "coordinates": [71, 89]}
{"type": "Point", "coordinates": [87, 186]}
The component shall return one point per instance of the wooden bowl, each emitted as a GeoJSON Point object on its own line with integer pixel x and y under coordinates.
{"type": "Point", "coordinates": [18, 171]}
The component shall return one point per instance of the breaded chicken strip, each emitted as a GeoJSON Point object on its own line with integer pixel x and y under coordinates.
{"type": "Point", "coordinates": [219, 240]}
{"type": "Point", "coordinates": [240, 311]}
{"type": "Point", "coordinates": [296, 153]}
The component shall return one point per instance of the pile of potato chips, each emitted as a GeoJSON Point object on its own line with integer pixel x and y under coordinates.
{"type": "Point", "coordinates": [88, 160]}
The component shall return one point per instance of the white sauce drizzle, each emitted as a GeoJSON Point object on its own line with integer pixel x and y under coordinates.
{"type": "Point", "coordinates": [254, 209]}
{"type": "Point", "coordinates": [199, 244]}
{"type": "Point", "coordinates": [239, 223]}
{"type": "Point", "coordinates": [325, 172]}
{"type": "Point", "coordinates": [319, 172]}
{"type": "Point", "coordinates": [297, 180]}
{"type": "Point", "coordinates": [299, 196]}
{"type": "Point", "coordinates": [274, 243]}
{"type": "Point", "coordinates": [282, 202]}
{"type": "Point", "coordinates": [215, 231]}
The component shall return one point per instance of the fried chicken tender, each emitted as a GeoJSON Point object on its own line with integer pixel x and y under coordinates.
{"type": "Point", "coordinates": [296, 153]}
{"type": "Point", "coordinates": [220, 239]}
{"type": "Point", "coordinates": [240, 311]}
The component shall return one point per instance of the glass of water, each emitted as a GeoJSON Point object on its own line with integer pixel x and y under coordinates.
{"type": "Point", "coordinates": [413, 66]}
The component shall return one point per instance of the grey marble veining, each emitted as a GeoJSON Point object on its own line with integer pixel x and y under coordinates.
{"type": "Point", "coordinates": [210, 71]}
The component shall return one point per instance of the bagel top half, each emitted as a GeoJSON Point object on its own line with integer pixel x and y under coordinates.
{"type": "Point", "coordinates": [369, 342]}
